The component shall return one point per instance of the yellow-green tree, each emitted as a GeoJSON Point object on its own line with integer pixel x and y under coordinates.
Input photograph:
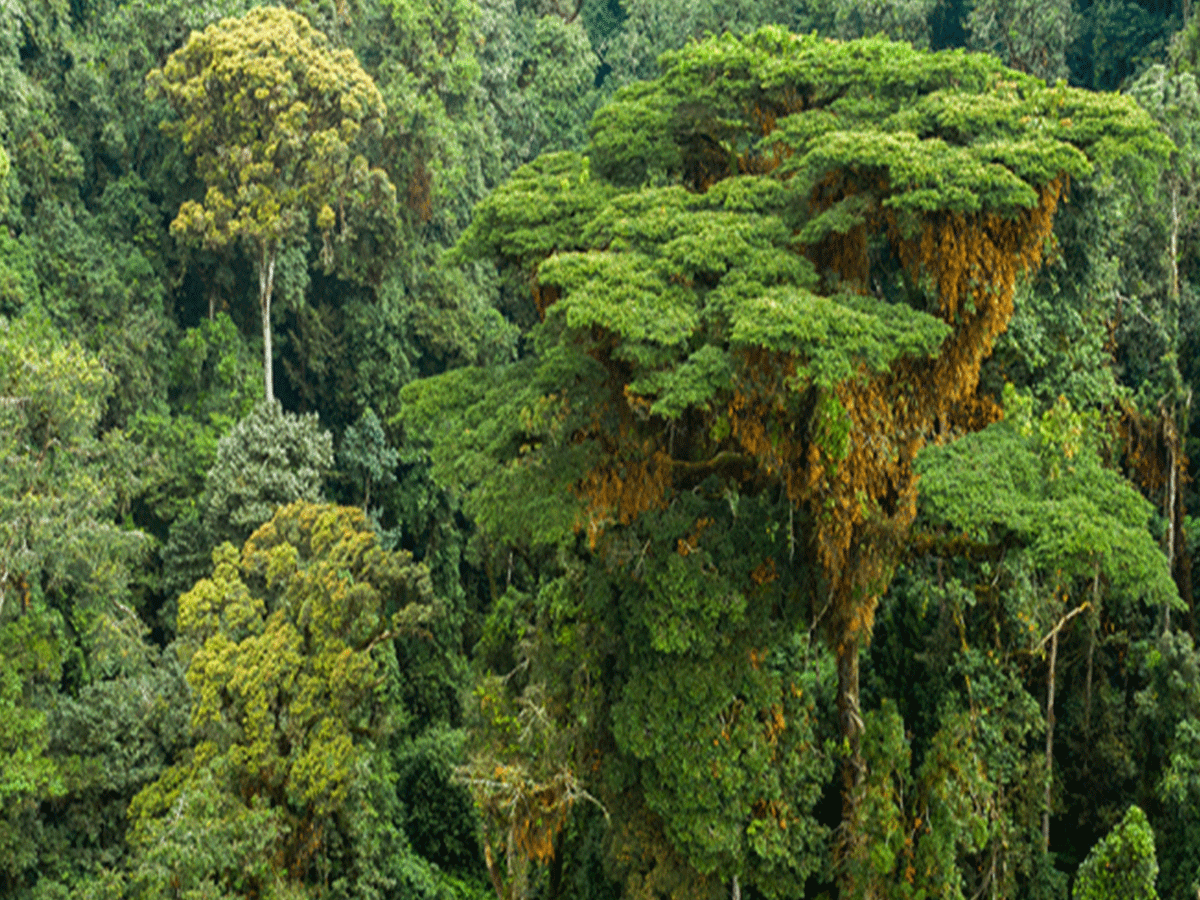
{"type": "Point", "coordinates": [277, 120]}
{"type": "Point", "coordinates": [289, 653]}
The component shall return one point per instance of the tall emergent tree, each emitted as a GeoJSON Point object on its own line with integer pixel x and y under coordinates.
{"type": "Point", "coordinates": [768, 285]}
{"type": "Point", "coordinates": [277, 120]}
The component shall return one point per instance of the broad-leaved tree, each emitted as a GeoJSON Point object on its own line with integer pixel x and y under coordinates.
{"type": "Point", "coordinates": [775, 274]}
{"type": "Point", "coordinates": [277, 121]}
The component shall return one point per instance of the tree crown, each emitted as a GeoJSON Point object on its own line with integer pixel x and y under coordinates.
{"type": "Point", "coordinates": [277, 120]}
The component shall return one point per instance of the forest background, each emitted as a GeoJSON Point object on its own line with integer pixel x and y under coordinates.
{"type": "Point", "coordinates": [622, 598]}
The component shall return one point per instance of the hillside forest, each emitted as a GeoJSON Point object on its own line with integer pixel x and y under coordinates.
{"type": "Point", "coordinates": [599, 449]}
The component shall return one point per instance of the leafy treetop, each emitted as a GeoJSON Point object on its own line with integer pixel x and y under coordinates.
{"type": "Point", "coordinates": [272, 114]}
{"type": "Point", "coordinates": [788, 250]}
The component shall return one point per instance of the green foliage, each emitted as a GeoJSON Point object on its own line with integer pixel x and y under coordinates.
{"type": "Point", "coordinates": [109, 297]}
{"type": "Point", "coordinates": [487, 419]}
{"type": "Point", "coordinates": [18, 277]}
{"type": "Point", "coordinates": [65, 612]}
{"type": "Point", "coordinates": [947, 799]}
{"type": "Point", "coordinates": [429, 73]}
{"type": "Point", "coordinates": [1033, 519]}
{"type": "Point", "coordinates": [108, 743]}
{"type": "Point", "coordinates": [876, 86]}
{"type": "Point", "coordinates": [1058, 343]}
{"type": "Point", "coordinates": [438, 816]}
{"type": "Point", "coordinates": [587, 491]}
{"type": "Point", "coordinates": [31, 650]}
{"type": "Point", "coordinates": [288, 651]}
{"type": "Point", "coordinates": [899, 20]}
{"type": "Point", "coordinates": [666, 272]}
{"type": "Point", "coordinates": [736, 799]}
{"type": "Point", "coordinates": [1117, 39]}
{"type": "Point", "coordinates": [716, 281]}
{"type": "Point", "coordinates": [1043, 482]}
{"type": "Point", "coordinates": [366, 456]}
{"type": "Point", "coordinates": [541, 209]}
{"type": "Point", "coordinates": [213, 385]}
{"type": "Point", "coordinates": [1122, 864]}
{"type": "Point", "coordinates": [1161, 264]}
{"type": "Point", "coordinates": [61, 483]}
{"type": "Point", "coordinates": [211, 374]}
{"type": "Point", "coordinates": [540, 74]}
{"type": "Point", "coordinates": [1163, 719]}
{"type": "Point", "coordinates": [269, 459]}
{"type": "Point", "coordinates": [648, 28]}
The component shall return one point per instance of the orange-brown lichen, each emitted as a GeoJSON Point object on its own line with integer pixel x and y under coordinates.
{"type": "Point", "coordinates": [622, 488]}
{"type": "Point", "coordinates": [862, 503]}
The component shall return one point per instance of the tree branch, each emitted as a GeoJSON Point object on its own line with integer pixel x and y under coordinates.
{"type": "Point", "coordinates": [1061, 622]}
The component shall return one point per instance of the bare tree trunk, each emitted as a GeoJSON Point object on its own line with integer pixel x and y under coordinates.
{"type": "Point", "coordinates": [1052, 637]}
{"type": "Point", "coordinates": [1049, 740]}
{"type": "Point", "coordinates": [266, 285]}
{"type": "Point", "coordinates": [735, 892]}
{"type": "Point", "coordinates": [1183, 561]}
{"type": "Point", "coordinates": [1171, 438]}
{"type": "Point", "coordinates": [1174, 246]}
{"type": "Point", "coordinates": [518, 869]}
{"type": "Point", "coordinates": [1170, 429]}
{"type": "Point", "coordinates": [493, 872]}
{"type": "Point", "coordinates": [1087, 694]}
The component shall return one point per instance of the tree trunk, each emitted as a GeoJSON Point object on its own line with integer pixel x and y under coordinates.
{"type": "Point", "coordinates": [266, 286]}
{"type": "Point", "coordinates": [1173, 249]}
{"type": "Point", "coordinates": [1049, 740]}
{"type": "Point", "coordinates": [1183, 560]}
{"type": "Point", "coordinates": [518, 869]}
{"type": "Point", "coordinates": [850, 720]}
{"type": "Point", "coordinates": [851, 725]}
{"type": "Point", "coordinates": [493, 872]}
{"type": "Point", "coordinates": [852, 846]}
{"type": "Point", "coordinates": [1052, 637]}
{"type": "Point", "coordinates": [1091, 651]}
{"type": "Point", "coordinates": [1172, 439]}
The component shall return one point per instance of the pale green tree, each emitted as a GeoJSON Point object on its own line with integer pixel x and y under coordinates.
{"type": "Point", "coordinates": [291, 663]}
{"type": "Point", "coordinates": [269, 459]}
